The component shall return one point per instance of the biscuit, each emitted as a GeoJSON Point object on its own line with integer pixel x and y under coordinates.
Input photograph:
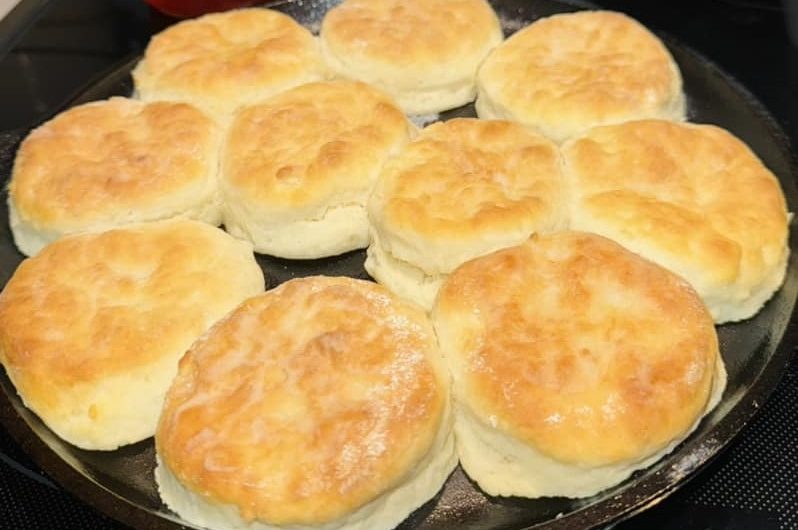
{"type": "Point", "coordinates": [297, 169]}
{"type": "Point", "coordinates": [92, 327]}
{"type": "Point", "coordinates": [566, 73]}
{"type": "Point", "coordinates": [425, 53]}
{"type": "Point", "coordinates": [462, 189]}
{"type": "Point", "coordinates": [321, 404]}
{"type": "Point", "coordinates": [692, 198]}
{"type": "Point", "coordinates": [574, 363]}
{"type": "Point", "coordinates": [221, 61]}
{"type": "Point", "coordinates": [111, 163]}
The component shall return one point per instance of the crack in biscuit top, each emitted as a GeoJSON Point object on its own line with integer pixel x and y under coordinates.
{"type": "Point", "coordinates": [306, 146]}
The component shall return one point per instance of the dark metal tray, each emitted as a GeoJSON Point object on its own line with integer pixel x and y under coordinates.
{"type": "Point", "coordinates": [121, 484]}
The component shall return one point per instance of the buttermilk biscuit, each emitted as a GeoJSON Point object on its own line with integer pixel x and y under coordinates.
{"type": "Point", "coordinates": [223, 60]}
{"type": "Point", "coordinates": [566, 73]}
{"type": "Point", "coordinates": [462, 189]}
{"type": "Point", "coordinates": [322, 404]}
{"type": "Point", "coordinates": [574, 363]}
{"type": "Point", "coordinates": [111, 163]}
{"type": "Point", "coordinates": [91, 329]}
{"type": "Point", "coordinates": [425, 53]}
{"type": "Point", "coordinates": [298, 168]}
{"type": "Point", "coordinates": [692, 198]}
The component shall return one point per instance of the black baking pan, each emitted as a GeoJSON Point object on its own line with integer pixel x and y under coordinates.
{"type": "Point", "coordinates": [120, 483]}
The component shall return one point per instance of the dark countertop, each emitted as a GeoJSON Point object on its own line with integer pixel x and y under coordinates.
{"type": "Point", "coordinates": [50, 49]}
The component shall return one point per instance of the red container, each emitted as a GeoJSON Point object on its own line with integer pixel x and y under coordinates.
{"type": "Point", "coordinates": [194, 8]}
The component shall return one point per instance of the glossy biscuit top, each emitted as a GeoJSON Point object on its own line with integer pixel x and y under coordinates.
{"type": "Point", "coordinates": [305, 403]}
{"type": "Point", "coordinates": [223, 60]}
{"type": "Point", "coordinates": [577, 347]}
{"type": "Point", "coordinates": [566, 73]}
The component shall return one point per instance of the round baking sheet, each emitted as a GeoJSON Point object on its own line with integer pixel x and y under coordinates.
{"type": "Point", "coordinates": [121, 484]}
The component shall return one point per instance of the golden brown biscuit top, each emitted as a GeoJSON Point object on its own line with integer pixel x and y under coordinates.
{"type": "Point", "coordinates": [583, 67]}
{"type": "Point", "coordinates": [96, 161]}
{"type": "Point", "coordinates": [96, 305]}
{"type": "Point", "coordinates": [305, 403]}
{"type": "Point", "coordinates": [695, 193]}
{"type": "Point", "coordinates": [311, 143]}
{"type": "Point", "coordinates": [222, 55]}
{"type": "Point", "coordinates": [409, 33]}
{"type": "Point", "coordinates": [465, 180]}
{"type": "Point", "coordinates": [578, 347]}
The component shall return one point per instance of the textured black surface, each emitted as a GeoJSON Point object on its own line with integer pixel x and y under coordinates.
{"type": "Point", "coordinates": [760, 472]}
{"type": "Point", "coordinates": [752, 485]}
{"type": "Point", "coordinates": [24, 492]}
